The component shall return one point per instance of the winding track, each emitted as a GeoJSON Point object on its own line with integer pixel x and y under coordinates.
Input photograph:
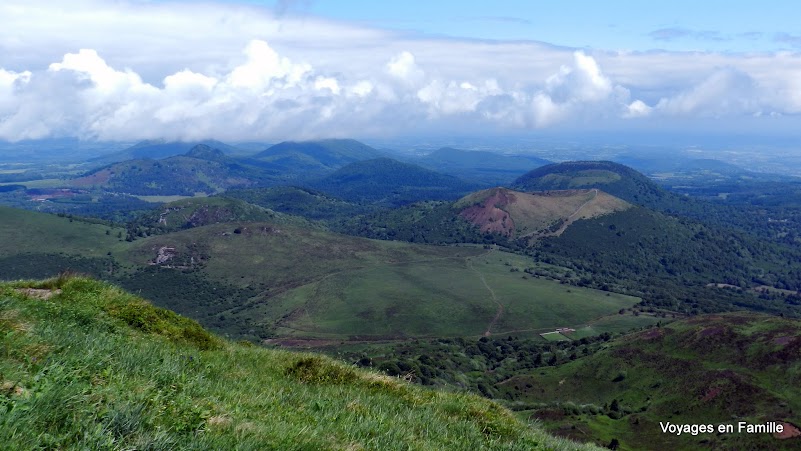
{"type": "Point", "coordinates": [498, 314]}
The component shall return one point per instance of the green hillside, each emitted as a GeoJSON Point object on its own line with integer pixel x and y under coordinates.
{"type": "Point", "coordinates": [716, 369]}
{"type": "Point", "coordinates": [390, 182]}
{"type": "Point", "coordinates": [305, 202]}
{"type": "Point", "coordinates": [260, 280]}
{"type": "Point", "coordinates": [36, 244]}
{"type": "Point", "coordinates": [87, 366]}
{"type": "Point", "coordinates": [201, 170]}
{"type": "Point", "coordinates": [200, 211]}
{"type": "Point", "coordinates": [319, 155]}
{"type": "Point", "coordinates": [282, 278]}
{"type": "Point", "coordinates": [670, 262]}
{"type": "Point", "coordinates": [28, 232]}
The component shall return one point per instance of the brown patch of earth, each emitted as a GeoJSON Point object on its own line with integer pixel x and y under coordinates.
{"type": "Point", "coordinates": [12, 388]}
{"type": "Point", "coordinates": [783, 340]}
{"type": "Point", "coordinates": [98, 178]}
{"type": "Point", "coordinates": [790, 431]}
{"type": "Point", "coordinates": [652, 334]}
{"type": "Point", "coordinates": [711, 394]}
{"type": "Point", "coordinates": [709, 331]}
{"type": "Point", "coordinates": [38, 293]}
{"type": "Point", "coordinates": [489, 215]}
{"type": "Point", "coordinates": [40, 194]}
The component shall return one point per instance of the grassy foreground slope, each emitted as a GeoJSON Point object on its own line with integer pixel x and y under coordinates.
{"type": "Point", "coordinates": [85, 365]}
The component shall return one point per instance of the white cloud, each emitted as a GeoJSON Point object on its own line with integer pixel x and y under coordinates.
{"type": "Point", "coordinates": [361, 89]}
{"type": "Point", "coordinates": [263, 66]}
{"type": "Point", "coordinates": [583, 82]}
{"type": "Point", "coordinates": [638, 108]}
{"type": "Point", "coordinates": [9, 82]}
{"type": "Point", "coordinates": [227, 71]}
{"type": "Point", "coordinates": [724, 92]}
{"type": "Point", "coordinates": [403, 67]}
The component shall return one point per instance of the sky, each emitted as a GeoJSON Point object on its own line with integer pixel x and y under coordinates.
{"type": "Point", "coordinates": [266, 70]}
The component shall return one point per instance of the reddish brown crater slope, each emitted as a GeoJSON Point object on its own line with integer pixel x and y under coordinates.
{"type": "Point", "coordinates": [490, 216]}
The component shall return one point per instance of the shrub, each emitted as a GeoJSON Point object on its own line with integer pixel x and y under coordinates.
{"type": "Point", "coordinates": [318, 370]}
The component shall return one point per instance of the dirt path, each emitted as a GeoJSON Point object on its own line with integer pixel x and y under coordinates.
{"type": "Point", "coordinates": [498, 314]}
{"type": "Point", "coordinates": [569, 219]}
{"type": "Point", "coordinates": [566, 222]}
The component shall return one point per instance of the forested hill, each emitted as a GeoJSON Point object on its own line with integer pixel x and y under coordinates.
{"type": "Point", "coordinates": [320, 155]}
{"type": "Point", "coordinates": [632, 186]}
{"type": "Point", "coordinates": [158, 149]}
{"type": "Point", "coordinates": [391, 182]}
{"type": "Point", "coordinates": [202, 170]}
{"type": "Point", "coordinates": [613, 178]}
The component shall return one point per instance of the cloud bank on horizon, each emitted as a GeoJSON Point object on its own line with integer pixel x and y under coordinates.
{"type": "Point", "coordinates": [124, 71]}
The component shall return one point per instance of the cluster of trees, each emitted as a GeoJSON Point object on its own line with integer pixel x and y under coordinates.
{"type": "Point", "coordinates": [44, 265]}
{"type": "Point", "coordinates": [476, 365]}
{"type": "Point", "coordinates": [212, 303]}
{"type": "Point", "coordinates": [431, 222]}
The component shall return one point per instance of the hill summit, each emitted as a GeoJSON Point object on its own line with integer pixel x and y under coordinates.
{"type": "Point", "coordinates": [613, 178]}
{"type": "Point", "coordinates": [317, 155]}
{"type": "Point", "coordinates": [204, 152]}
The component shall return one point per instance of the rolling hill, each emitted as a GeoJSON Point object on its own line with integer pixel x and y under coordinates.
{"type": "Point", "coordinates": [610, 244]}
{"type": "Point", "coordinates": [711, 369]}
{"type": "Point", "coordinates": [160, 149]}
{"type": "Point", "coordinates": [28, 232]}
{"type": "Point", "coordinates": [201, 170]}
{"type": "Point", "coordinates": [36, 244]}
{"type": "Point", "coordinates": [308, 203]}
{"type": "Point", "coordinates": [282, 278]}
{"type": "Point", "coordinates": [634, 187]}
{"type": "Point", "coordinates": [612, 178]}
{"type": "Point", "coordinates": [200, 211]}
{"type": "Point", "coordinates": [89, 366]}
{"type": "Point", "coordinates": [267, 280]}
{"type": "Point", "coordinates": [390, 182]}
{"type": "Point", "coordinates": [323, 155]}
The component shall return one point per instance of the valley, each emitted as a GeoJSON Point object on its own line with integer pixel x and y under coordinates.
{"type": "Point", "coordinates": [575, 294]}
